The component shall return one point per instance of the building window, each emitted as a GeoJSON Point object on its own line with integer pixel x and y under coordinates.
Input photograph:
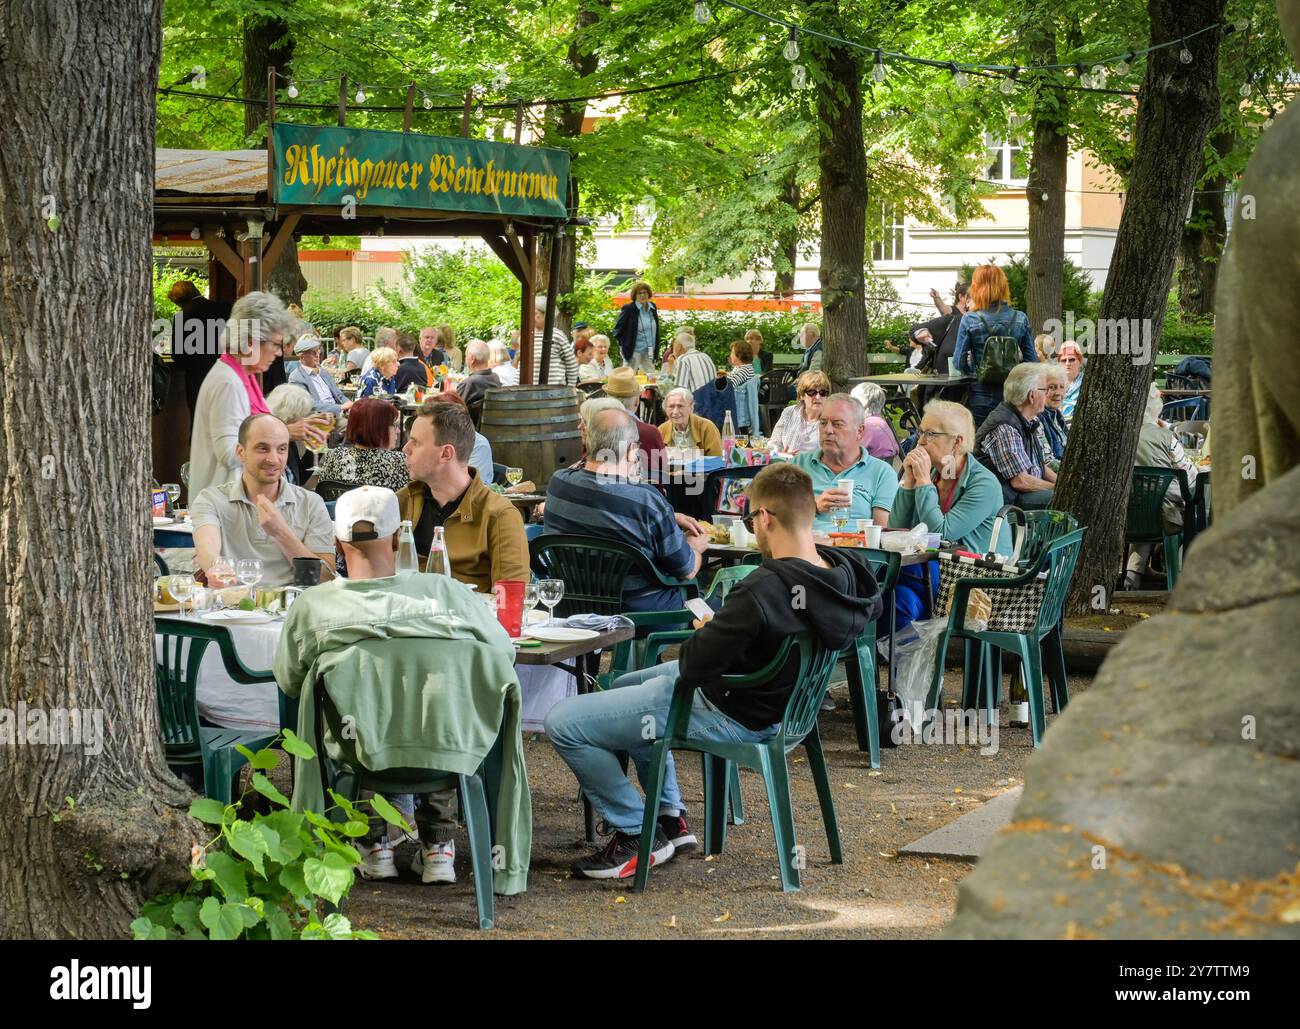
{"type": "Point", "coordinates": [888, 245]}
{"type": "Point", "coordinates": [1008, 159]}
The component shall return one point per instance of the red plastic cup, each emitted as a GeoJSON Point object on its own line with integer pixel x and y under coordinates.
{"type": "Point", "coordinates": [510, 605]}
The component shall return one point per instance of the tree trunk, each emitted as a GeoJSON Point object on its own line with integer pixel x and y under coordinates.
{"type": "Point", "coordinates": [1204, 235]}
{"type": "Point", "coordinates": [1178, 105]}
{"type": "Point", "coordinates": [843, 183]}
{"type": "Point", "coordinates": [788, 241]}
{"type": "Point", "coordinates": [1047, 174]}
{"type": "Point", "coordinates": [568, 122]}
{"type": "Point", "coordinates": [268, 43]}
{"type": "Point", "coordinates": [85, 833]}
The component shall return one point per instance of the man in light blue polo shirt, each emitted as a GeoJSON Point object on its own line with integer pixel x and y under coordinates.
{"type": "Point", "coordinates": [841, 456]}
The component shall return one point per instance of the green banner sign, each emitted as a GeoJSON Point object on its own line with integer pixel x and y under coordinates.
{"type": "Point", "coordinates": [322, 166]}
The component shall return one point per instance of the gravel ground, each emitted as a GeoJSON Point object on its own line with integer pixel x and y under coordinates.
{"type": "Point", "coordinates": [874, 894]}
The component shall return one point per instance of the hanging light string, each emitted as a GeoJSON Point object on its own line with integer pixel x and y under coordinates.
{"type": "Point", "coordinates": [703, 15]}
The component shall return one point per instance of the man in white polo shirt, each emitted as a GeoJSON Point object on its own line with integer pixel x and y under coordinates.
{"type": "Point", "coordinates": [261, 514]}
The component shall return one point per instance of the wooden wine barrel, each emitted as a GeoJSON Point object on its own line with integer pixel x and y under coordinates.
{"type": "Point", "coordinates": [534, 428]}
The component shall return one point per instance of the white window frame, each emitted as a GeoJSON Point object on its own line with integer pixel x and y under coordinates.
{"type": "Point", "coordinates": [890, 246]}
{"type": "Point", "coordinates": [1005, 147]}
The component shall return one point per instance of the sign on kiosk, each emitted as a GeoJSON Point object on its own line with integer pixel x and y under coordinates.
{"type": "Point", "coordinates": [324, 166]}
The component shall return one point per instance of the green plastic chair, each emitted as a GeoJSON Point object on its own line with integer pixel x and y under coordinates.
{"type": "Point", "coordinates": [1145, 522]}
{"type": "Point", "coordinates": [185, 741]}
{"type": "Point", "coordinates": [1057, 561]}
{"type": "Point", "coordinates": [351, 777]}
{"type": "Point", "coordinates": [798, 726]}
{"type": "Point", "coordinates": [594, 571]}
{"type": "Point", "coordinates": [860, 661]}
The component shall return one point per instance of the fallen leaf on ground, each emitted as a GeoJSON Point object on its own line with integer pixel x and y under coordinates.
{"type": "Point", "coordinates": [886, 854]}
{"type": "Point", "coordinates": [724, 917]}
{"type": "Point", "coordinates": [874, 772]}
{"type": "Point", "coordinates": [671, 923]}
{"type": "Point", "coordinates": [849, 786]}
{"type": "Point", "coordinates": [620, 900]}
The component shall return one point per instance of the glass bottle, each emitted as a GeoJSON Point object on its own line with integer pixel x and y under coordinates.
{"type": "Point", "coordinates": [439, 561]}
{"type": "Point", "coordinates": [407, 559]}
{"type": "Point", "coordinates": [728, 438]}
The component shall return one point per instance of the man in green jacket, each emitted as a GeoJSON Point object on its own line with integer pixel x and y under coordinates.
{"type": "Point", "coordinates": [438, 694]}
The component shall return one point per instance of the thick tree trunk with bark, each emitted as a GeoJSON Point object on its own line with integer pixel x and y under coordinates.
{"type": "Point", "coordinates": [843, 185]}
{"type": "Point", "coordinates": [267, 44]}
{"type": "Point", "coordinates": [1047, 171]}
{"type": "Point", "coordinates": [85, 833]}
{"type": "Point", "coordinates": [1177, 107]}
{"type": "Point", "coordinates": [788, 240]}
{"type": "Point", "coordinates": [1203, 238]}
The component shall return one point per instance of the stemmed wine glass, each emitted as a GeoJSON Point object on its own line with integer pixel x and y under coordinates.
{"type": "Point", "coordinates": [182, 588]}
{"type": "Point", "coordinates": [514, 476]}
{"type": "Point", "coordinates": [249, 572]}
{"type": "Point", "coordinates": [550, 592]}
{"type": "Point", "coordinates": [223, 572]}
{"type": "Point", "coordinates": [531, 597]}
{"type": "Point", "coordinates": [173, 493]}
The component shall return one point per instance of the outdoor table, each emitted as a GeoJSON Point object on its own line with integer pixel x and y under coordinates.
{"type": "Point", "coordinates": [178, 534]}
{"type": "Point", "coordinates": [525, 502]}
{"type": "Point", "coordinates": [906, 379]}
{"type": "Point", "coordinates": [224, 702]}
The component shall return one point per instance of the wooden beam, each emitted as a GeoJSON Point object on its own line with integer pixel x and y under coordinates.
{"type": "Point", "coordinates": [469, 108]}
{"type": "Point", "coordinates": [343, 100]}
{"type": "Point", "coordinates": [508, 257]}
{"type": "Point", "coordinates": [519, 122]}
{"type": "Point", "coordinates": [278, 242]}
{"type": "Point", "coordinates": [410, 106]}
{"type": "Point", "coordinates": [270, 124]}
{"type": "Point", "coordinates": [527, 300]}
{"type": "Point", "coordinates": [224, 253]}
{"type": "Point", "coordinates": [524, 261]}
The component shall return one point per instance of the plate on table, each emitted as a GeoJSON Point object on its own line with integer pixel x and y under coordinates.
{"type": "Point", "coordinates": [160, 608]}
{"type": "Point", "coordinates": [560, 634]}
{"type": "Point", "coordinates": [235, 617]}
{"type": "Point", "coordinates": [159, 521]}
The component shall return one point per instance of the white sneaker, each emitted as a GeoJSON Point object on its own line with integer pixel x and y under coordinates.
{"type": "Point", "coordinates": [436, 863]}
{"type": "Point", "coordinates": [377, 862]}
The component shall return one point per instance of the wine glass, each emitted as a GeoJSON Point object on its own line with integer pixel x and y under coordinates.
{"type": "Point", "coordinates": [249, 572]}
{"type": "Point", "coordinates": [223, 569]}
{"type": "Point", "coordinates": [531, 597]}
{"type": "Point", "coordinates": [550, 592]}
{"type": "Point", "coordinates": [840, 518]}
{"type": "Point", "coordinates": [173, 492]}
{"type": "Point", "coordinates": [514, 476]}
{"type": "Point", "coordinates": [181, 587]}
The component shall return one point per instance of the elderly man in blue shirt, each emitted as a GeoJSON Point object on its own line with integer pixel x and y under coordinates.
{"type": "Point", "coordinates": [841, 457]}
{"type": "Point", "coordinates": [319, 384]}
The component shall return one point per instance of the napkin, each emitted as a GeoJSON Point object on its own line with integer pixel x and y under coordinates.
{"type": "Point", "coordinates": [598, 623]}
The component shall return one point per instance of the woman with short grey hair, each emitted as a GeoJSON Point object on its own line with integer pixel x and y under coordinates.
{"type": "Point", "coordinates": [1010, 445]}
{"type": "Point", "coordinates": [231, 391]}
{"type": "Point", "coordinates": [878, 437]}
{"type": "Point", "coordinates": [1052, 424]}
{"type": "Point", "coordinates": [291, 404]}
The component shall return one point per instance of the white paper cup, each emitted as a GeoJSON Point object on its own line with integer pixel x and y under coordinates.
{"type": "Point", "coordinates": [871, 535]}
{"type": "Point", "coordinates": [847, 486]}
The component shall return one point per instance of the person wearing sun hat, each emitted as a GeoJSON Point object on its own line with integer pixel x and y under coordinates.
{"type": "Point", "coordinates": [309, 375]}
{"type": "Point", "coordinates": [623, 386]}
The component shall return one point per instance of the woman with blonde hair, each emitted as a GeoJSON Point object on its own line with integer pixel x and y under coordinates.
{"type": "Point", "coordinates": [382, 377]}
{"type": "Point", "coordinates": [798, 429]}
{"type": "Point", "coordinates": [991, 315]}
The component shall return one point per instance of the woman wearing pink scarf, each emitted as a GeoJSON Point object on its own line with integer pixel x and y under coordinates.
{"type": "Point", "coordinates": [231, 392]}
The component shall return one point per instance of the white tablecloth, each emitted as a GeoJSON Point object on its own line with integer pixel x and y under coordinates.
{"type": "Point", "coordinates": [224, 702]}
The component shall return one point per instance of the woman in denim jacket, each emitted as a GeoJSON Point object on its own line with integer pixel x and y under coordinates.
{"type": "Point", "coordinates": [991, 314]}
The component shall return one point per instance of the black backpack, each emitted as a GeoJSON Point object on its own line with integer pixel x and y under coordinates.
{"type": "Point", "coordinates": [1000, 355]}
{"type": "Point", "coordinates": [161, 384]}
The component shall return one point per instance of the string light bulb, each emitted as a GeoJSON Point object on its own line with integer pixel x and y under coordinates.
{"type": "Point", "coordinates": [292, 90]}
{"type": "Point", "coordinates": [702, 13]}
{"type": "Point", "coordinates": [361, 95]}
{"type": "Point", "coordinates": [959, 77]}
{"type": "Point", "coordinates": [428, 101]}
{"type": "Point", "coordinates": [1008, 84]}
{"type": "Point", "coordinates": [1246, 87]}
{"type": "Point", "coordinates": [791, 50]}
{"type": "Point", "coordinates": [799, 77]}
{"type": "Point", "coordinates": [1122, 66]}
{"type": "Point", "coordinates": [1099, 77]}
{"type": "Point", "coordinates": [1185, 56]}
{"type": "Point", "coordinates": [878, 71]}
{"type": "Point", "coordinates": [1241, 24]}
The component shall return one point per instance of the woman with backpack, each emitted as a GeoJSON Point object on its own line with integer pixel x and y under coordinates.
{"type": "Point", "coordinates": [993, 338]}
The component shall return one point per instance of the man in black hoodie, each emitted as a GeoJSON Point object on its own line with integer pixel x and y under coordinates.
{"type": "Point", "coordinates": [799, 587]}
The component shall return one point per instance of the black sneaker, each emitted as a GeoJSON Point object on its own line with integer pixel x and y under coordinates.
{"type": "Point", "coordinates": [618, 859]}
{"type": "Point", "coordinates": [678, 833]}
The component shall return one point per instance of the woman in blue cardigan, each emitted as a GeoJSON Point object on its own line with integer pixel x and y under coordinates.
{"type": "Point", "coordinates": [944, 486]}
{"type": "Point", "coordinates": [991, 315]}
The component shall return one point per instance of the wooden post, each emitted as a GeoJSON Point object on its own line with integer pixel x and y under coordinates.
{"type": "Point", "coordinates": [410, 106]}
{"type": "Point", "coordinates": [527, 296]}
{"type": "Point", "coordinates": [270, 124]}
{"type": "Point", "coordinates": [519, 122]}
{"type": "Point", "coordinates": [343, 100]}
{"type": "Point", "coordinates": [469, 108]}
{"type": "Point", "coordinates": [548, 323]}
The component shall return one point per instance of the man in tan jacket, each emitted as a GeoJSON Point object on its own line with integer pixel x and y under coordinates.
{"type": "Point", "coordinates": [483, 531]}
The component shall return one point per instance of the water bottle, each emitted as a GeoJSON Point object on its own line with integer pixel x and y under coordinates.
{"type": "Point", "coordinates": [728, 438]}
{"type": "Point", "coordinates": [439, 562]}
{"type": "Point", "coordinates": [407, 560]}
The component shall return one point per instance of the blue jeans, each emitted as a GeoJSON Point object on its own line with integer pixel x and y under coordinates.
{"type": "Point", "coordinates": [982, 400]}
{"type": "Point", "coordinates": [588, 730]}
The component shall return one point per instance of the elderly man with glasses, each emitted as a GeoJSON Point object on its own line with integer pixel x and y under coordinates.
{"type": "Point", "coordinates": [841, 459]}
{"type": "Point", "coordinates": [1010, 445]}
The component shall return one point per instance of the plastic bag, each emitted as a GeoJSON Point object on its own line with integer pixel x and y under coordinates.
{"type": "Point", "coordinates": [913, 541]}
{"type": "Point", "coordinates": [915, 648]}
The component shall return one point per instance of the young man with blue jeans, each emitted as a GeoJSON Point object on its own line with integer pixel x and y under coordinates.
{"type": "Point", "coordinates": [773, 602]}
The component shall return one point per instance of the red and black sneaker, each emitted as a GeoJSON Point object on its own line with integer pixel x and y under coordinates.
{"type": "Point", "coordinates": [678, 833]}
{"type": "Point", "coordinates": [618, 859]}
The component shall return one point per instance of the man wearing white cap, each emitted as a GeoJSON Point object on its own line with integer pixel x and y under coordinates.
{"type": "Point", "coordinates": [324, 391]}
{"type": "Point", "coordinates": [377, 602]}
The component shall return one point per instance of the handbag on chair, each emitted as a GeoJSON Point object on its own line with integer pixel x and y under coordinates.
{"type": "Point", "coordinates": [1014, 610]}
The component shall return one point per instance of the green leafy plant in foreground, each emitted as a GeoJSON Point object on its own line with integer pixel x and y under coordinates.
{"type": "Point", "coordinates": [278, 876]}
